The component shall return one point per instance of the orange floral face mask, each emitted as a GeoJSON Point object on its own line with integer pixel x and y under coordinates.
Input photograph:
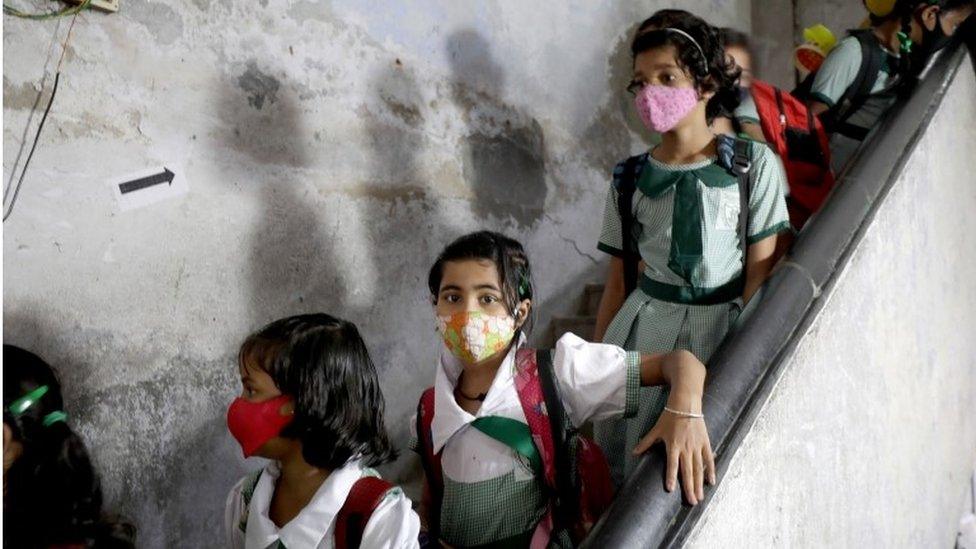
{"type": "Point", "coordinates": [473, 336]}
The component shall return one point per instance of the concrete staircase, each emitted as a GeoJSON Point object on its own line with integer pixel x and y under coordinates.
{"type": "Point", "coordinates": [581, 324]}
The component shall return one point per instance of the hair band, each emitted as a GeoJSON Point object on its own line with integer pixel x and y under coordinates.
{"type": "Point", "coordinates": [688, 36]}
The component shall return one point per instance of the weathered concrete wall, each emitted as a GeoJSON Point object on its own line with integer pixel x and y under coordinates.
{"type": "Point", "coordinates": [868, 439]}
{"type": "Point", "coordinates": [330, 149]}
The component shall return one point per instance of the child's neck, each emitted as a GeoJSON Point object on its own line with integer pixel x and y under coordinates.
{"type": "Point", "coordinates": [476, 379]}
{"type": "Point", "coordinates": [887, 34]}
{"type": "Point", "coordinates": [296, 486]}
{"type": "Point", "coordinates": [687, 144]}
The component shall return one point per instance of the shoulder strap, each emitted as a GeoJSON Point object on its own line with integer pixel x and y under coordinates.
{"type": "Point", "coordinates": [566, 502]}
{"type": "Point", "coordinates": [430, 461]}
{"type": "Point", "coordinates": [872, 58]}
{"type": "Point", "coordinates": [365, 496]}
{"type": "Point", "coordinates": [626, 184]}
{"type": "Point", "coordinates": [742, 166]}
{"type": "Point", "coordinates": [539, 394]}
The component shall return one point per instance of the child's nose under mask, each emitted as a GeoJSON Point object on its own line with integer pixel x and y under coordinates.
{"type": "Point", "coordinates": [662, 107]}
{"type": "Point", "coordinates": [473, 336]}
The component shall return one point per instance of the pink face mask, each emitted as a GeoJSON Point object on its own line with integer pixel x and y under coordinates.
{"type": "Point", "coordinates": [662, 107]}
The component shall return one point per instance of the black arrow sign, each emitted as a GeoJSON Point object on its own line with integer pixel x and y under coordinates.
{"type": "Point", "coordinates": [165, 176]}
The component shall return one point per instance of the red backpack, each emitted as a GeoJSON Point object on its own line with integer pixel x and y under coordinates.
{"type": "Point", "coordinates": [573, 469]}
{"type": "Point", "coordinates": [799, 138]}
{"type": "Point", "coordinates": [364, 497]}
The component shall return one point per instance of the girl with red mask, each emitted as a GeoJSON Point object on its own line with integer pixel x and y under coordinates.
{"type": "Point", "coordinates": [312, 405]}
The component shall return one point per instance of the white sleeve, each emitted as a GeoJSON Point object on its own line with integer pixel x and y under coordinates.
{"type": "Point", "coordinates": [233, 511]}
{"type": "Point", "coordinates": [393, 525]}
{"type": "Point", "coordinates": [596, 380]}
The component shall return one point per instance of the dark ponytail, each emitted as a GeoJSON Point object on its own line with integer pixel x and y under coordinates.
{"type": "Point", "coordinates": [53, 495]}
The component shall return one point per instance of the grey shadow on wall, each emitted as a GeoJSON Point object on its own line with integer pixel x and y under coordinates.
{"type": "Point", "coordinates": [504, 157]}
{"type": "Point", "coordinates": [291, 260]}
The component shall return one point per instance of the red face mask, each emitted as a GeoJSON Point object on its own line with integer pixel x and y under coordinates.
{"type": "Point", "coordinates": [254, 423]}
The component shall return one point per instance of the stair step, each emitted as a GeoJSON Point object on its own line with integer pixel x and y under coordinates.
{"type": "Point", "coordinates": [582, 326]}
{"type": "Point", "coordinates": [592, 294]}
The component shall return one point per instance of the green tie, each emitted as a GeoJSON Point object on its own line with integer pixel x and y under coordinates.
{"type": "Point", "coordinates": [686, 219]}
{"type": "Point", "coordinates": [686, 236]}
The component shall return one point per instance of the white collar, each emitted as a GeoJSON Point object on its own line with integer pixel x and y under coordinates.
{"type": "Point", "coordinates": [312, 523]}
{"type": "Point", "coordinates": [449, 418]}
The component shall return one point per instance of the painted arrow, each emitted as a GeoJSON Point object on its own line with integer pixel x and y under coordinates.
{"type": "Point", "coordinates": [165, 176]}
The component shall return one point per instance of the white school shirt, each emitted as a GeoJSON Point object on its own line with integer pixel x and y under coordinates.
{"type": "Point", "coordinates": [393, 525]}
{"type": "Point", "coordinates": [596, 381]}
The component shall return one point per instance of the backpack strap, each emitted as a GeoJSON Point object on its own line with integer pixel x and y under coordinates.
{"type": "Point", "coordinates": [566, 504]}
{"type": "Point", "coordinates": [626, 184]}
{"type": "Point", "coordinates": [365, 496]}
{"type": "Point", "coordinates": [741, 167]}
{"type": "Point", "coordinates": [430, 461]}
{"type": "Point", "coordinates": [872, 59]}
{"type": "Point", "coordinates": [538, 393]}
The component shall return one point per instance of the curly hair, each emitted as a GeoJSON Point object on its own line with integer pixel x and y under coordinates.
{"type": "Point", "coordinates": [53, 494]}
{"type": "Point", "coordinates": [716, 72]}
{"type": "Point", "coordinates": [321, 362]}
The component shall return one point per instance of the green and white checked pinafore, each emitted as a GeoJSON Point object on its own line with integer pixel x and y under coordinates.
{"type": "Point", "coordinates": [666, 311]}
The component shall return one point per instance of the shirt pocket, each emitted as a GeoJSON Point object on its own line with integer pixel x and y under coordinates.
{"type": "Point", "coordinates": [725, 216]}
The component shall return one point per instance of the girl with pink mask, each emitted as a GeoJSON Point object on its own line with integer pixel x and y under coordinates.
{"type": "Point", "coordinates": [312, 405]}
{"type": "Point", "coordinates": [683, 260]}
{"type": "Point", "coordinates": [490, 430]}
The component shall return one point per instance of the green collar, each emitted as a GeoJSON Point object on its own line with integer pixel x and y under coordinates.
{"type": "Point", "coordinates": [656, 177]}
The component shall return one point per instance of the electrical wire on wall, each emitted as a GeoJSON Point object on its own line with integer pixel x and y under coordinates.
{"type": "Point", "coordinates": [54, 90]}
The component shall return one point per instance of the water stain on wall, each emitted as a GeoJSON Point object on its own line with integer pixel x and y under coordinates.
{"type": "Point", "coordinates": [259, 86]}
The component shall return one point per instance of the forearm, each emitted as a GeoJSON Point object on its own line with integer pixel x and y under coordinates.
{"type": "Point", "coordinates": [686, 375]}
{"type": "Point", "coordinates": [612, 299]}
{"type": "Point", "coordinates": [760, 261]}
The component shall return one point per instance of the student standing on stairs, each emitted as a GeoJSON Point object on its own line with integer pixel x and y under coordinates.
{"type": "Point", "coordinates": [681, 204]}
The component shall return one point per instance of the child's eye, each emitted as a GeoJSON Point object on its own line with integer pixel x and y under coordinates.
{"type": "Point", "coordinates": [452, 298]}
{"type": "Point", "coordinates": [489, 299]}
{"type": "Point", "coordinates": [635, 86]}
{"type": "Point", "coordinates": [669, 79]}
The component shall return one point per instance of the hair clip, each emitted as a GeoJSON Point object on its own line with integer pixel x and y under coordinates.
{"type": "Point", "coordinates": [21, 405]}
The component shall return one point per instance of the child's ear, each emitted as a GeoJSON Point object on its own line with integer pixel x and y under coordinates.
{"type": "Point", "coordinates": [522, 312]}
{"type": "Point", "coordinates": [928, 16]}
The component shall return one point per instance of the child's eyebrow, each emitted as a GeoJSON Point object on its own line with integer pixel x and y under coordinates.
{"type": "Point", "coordinates": [487, 287]}
{"type": "Point", "coordinates": [450, 287]}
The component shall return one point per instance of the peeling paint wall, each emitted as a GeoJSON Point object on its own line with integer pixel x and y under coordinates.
{"type": "Point", "coordinates": [330, 149]}
{"type": "Point", "coordinates": [869, 437]}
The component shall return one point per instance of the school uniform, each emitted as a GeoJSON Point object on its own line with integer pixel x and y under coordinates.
{"type": "Point", "coordinates": [684, 300]}
{"type": "Point", "coordinates": [491, 493]}
{"type": "Point", "coordinates": [393, 525]}
{"type": "Point", "coordinates": [836, 75]}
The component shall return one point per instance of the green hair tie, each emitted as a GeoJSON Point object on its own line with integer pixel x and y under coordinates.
{"type": "Point", "coordinates": [54, 417]}
{"type": "Point", "coordinates": [21, 405]}
{"type": "Point", "coordinates": [905, 41]}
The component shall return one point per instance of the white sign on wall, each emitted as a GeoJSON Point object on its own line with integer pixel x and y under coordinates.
{"type": "Point", "coordinates": [148, 187]}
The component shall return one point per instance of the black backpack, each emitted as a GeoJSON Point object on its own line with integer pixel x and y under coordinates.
{"type": "Point", "coordinates": [835, 118]}
{"type": "Point", "coordinates": [739, 165]}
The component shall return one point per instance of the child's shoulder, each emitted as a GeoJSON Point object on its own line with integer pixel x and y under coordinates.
{"type": "Point", "coordinates": [637, 160]}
